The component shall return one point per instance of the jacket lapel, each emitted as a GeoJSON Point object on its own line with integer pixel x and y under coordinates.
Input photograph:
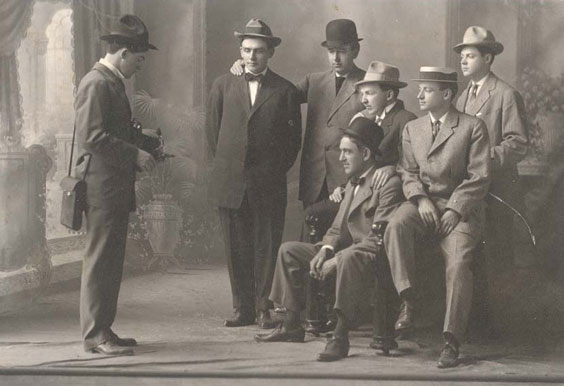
{"type": "Point", "coordinates": [483, 95]}
{"type": "Point", "coordinates": [345, 93]}
{"type": "Point", "coordinates": [388, 121]}
{"type": "Point", "coordinates": [364, 192]}
{"type": "Point", "coordinates": [264, 92]}
{"type": "Point", "coordinates": [446, 131]}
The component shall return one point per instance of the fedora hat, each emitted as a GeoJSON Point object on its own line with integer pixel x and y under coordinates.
{"type": "Point", "coordinates": [366, 131]}
{"type": "Point", "coordinates": [437, 74]}
{"type": "Point", "coordinates": [380, 72]}
{"type": "Point", "coordinates": [340, 32]}
{"type": "Point", "coordinates": [130, 30]}
{"type": "Point", "coordinates": [257, 28]}
{"type": "Point", "coordinates": [479, 37]}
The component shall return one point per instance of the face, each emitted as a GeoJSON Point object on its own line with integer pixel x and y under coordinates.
{"type": "Point", "coordinates": [353, 158]}
{"type": "Point", "coordinates": [131, 62]}
{"type": "Point", "coordinates": [431, 98]}
{"type": "Point", "coordinates": [255, 53]}
{"type": "Point", "coordinates": [373, 98]}
{"type": "Point", "coordinates": [342, 58]}
{"type": "Point", "coordinates": [473, 64]}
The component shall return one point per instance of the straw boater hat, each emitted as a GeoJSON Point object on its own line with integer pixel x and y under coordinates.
{"type": "Point", "coordinates": [437, 74]}
{"type": "Point", "coordinates": [340, 32]}
{"type": "Point", "coordinates": [132, 31]}
{"type": "Point", "coordinates": [367, 131]}
{"type": "Point", "coordinates": [257, 28]}
{"type": "Point", "coordinates": [479, 37]}
{"type": "Point", "coordinates": [380, 72]}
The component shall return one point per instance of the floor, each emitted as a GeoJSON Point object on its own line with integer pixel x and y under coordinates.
{"type": "Point", "coordinates": [177, 317]}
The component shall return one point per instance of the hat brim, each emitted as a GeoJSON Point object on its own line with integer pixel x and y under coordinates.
{"type": "Point", "coordinates": [435, 80]}
{"type": "Point", "coordinates": [495, 47]}
{"type": "Point", "coordinates": [127, 40]}
{"type": "Point", "coordinates": [338, 43]}
{"type": "Point", "coordinates": [391, 83]}
{"type": "Point", "coordinates": [275, 40]}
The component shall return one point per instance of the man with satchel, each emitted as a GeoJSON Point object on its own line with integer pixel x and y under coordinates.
{"type": "Point", "coordinates": [111, 150]}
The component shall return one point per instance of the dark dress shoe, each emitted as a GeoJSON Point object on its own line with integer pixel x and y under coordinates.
{"type": "Point", "coordinates": [336, 348]}
{"type": "Point", "coordinates": [384, 344]}
{"type": "Point", "coordinates": [406, 316]}
{"type": "Point", "coordinates": [264, 321]}
{"type": "Point", "coordinates": [111, 348]}
{"type": "Point", "coordinates": [448, 357]}
{"type": "Point", "coordinates": [240, 319]}
{"type": "Point", "coordinates": [282, 335]}
{"type": "Point", "coordinates": [125, 342]}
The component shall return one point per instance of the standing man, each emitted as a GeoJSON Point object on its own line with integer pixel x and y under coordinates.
{"type": "Point", "coordinates": [501, 107]}
{"type": "Point", "coordinates": [351, 248]}
{"type": "Point", "coordinates": [110, 152]}
{"type": "Point", "coordinates": [254, 131]}
{"type": "Point", "coordinates": [445, 170]}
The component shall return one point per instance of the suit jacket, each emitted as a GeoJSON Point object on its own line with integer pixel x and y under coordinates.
{"type": "Point", "coordinates": [103, 130]}
{"type": "Point", "coordinates": [369, 205]}
{"type": "Point", "coordinates": [392, 125]}
{"type": "Point", "coordinates": [501, 107]}
{"type": "Point", "coordinates": [253, 147]}
{"type": "Point", "coordinates": [453, 170]}
{"type": "Point", "coordinates": [327, 116]}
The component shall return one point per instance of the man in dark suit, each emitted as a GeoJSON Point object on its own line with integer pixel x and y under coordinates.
{"type": "Point", "coordinates": [445, 171]}
{"type": "Point", "coordinates": [351, 248]}
{"type": "Point", "coordinates": [254, 132]}
{"type": "Point", "coordinates": [110, 152]}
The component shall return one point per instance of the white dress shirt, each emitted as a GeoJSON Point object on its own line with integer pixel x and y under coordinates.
{"type": "Point", "coordinates": [254, 85]}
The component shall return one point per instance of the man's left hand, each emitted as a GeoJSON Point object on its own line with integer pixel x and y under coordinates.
{"type": "Point", "coordinates": [449, 221]}
{"type": "Point", "coordinates": [382, 175]}
{"type": "Point", "coordinates": [328, 267]}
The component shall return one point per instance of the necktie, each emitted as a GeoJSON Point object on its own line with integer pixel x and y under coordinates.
{"type": "Point", "coordinates": [473, 91]}
{"type": "Point", "coordinates": [252, 77]}
{"type": "Point", "coordinates": [355, 181]}
{"type": "Point", "coordinates": [379, 121]}
{"type": "Point", "coordinates": [435, 128]}
{"type": "Point", "coordinates": [338, 83]}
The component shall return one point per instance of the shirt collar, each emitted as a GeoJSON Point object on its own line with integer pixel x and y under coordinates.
{"type": "Point", "coordinates": [112, 68]}
{"type": "Point", "coordinates": [481, 82]}
{"type": "Point", "coordinates": [263, 72]}
{"type": "Point", "coordinates": [387, 110]}
{"type": "Point", "coordinates": [441, 119]}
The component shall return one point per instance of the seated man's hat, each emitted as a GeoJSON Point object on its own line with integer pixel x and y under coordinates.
{"type": "Point", "coordinates": [257, 28]}
{"type": "Point", "coordinates": [437, 74]}
{"type": "Point", "coordinates": [380, 72]}
{"type": "Point", "coordinates": [130, 30]}
{"type": "Point", "coordinates": [479, 37]}
{"type": "Point", "coordinates": [368, 132]}
{"type": "Point", "coordinates": [340, 32]}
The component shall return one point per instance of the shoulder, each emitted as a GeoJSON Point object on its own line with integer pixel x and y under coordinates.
{"type": "Point", "coordinates": [93, 80]}
{"type": "Point", "coordinates": [392, 186]}
{"type": "Point", "coordinates": [418, 121]}
{"type": "Point", "coordinates": [357, 74]}
{"type": "Point", "coordinates": [282, 82]}
{"type": "Point", "coordinates": [471, 122]}
{"type": "Point", "coordinates": [504, 88]}
{"type": "Point", "coordinates": [319, 76]}
{"type": "Point", "coordinates": [405, 115]}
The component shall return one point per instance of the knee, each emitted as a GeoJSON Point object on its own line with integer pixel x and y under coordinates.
{"type": "Point", "coordinates": [346, 260]}
{"type": "Point", "coordinates": [285, 252]}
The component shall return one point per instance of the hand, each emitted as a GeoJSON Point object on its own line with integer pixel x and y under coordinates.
{"type": "Point", "coordinates": [328, 267]}
{"type": "Point", "coordinates": [145, 161]}
{"type": "Point", "coordinates": [337, 195]}
{"type": "Point", "coordinates": [449, 221]}
{"type": "Point", "coordinates": [238, 67]}
{"type": "Point", "coordinates": [428, 212]}
{"type": "Point", "coordinates": [316, 263]}
{"type": "Point", "coordinates": [382, 175]}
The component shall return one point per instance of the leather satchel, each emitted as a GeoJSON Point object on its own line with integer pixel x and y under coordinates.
{"type": "Point", "coordinates": [74, 196]}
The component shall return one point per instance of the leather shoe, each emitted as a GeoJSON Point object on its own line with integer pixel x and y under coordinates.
{"type": "Point", "coordinates": [111, 348]}
{"type": "Point", "coordinates": [125, 342]}
{"type": "Point", "coordinates": [336, 348]}
{"type": "Point", "coordinates": [448, 357]}
{"type": "Point", "coordinates": [282, 335]}
{"type": "Point", "coordinates": [240, 319]}
{"type": "Point", "coordinates": [384, 344]}
{"type": "Point", "coordinates": [265, 322]}
{"type": "Point", "coordinates": [406, 317]}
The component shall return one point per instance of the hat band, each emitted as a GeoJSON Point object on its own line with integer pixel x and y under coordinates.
{"type": "Point", "coordinates": [380, 78]}
{"type": "Point", "coordinates": [257, 30]}
{"type": "Point", "coordinates": [441, 76]}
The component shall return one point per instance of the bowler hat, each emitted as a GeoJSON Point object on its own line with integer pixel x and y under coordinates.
{"type": "Point", "coordinates": [368, 132]}
{"type": "Point", "coordinates": [383, 73]}
{"type": "Point", "coordinates": [479, 37]}
{"type": "Point", "coordinates": [340, 32]}
{"type": "Point", "coordinates": [130, 30]}
{"type": "Point", "coordinates": [437, 74]}
{"type": "Point", "coordinates": [257, 28]}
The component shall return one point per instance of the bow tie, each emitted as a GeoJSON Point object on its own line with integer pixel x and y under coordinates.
{"type": "Point", "coordinates": [252, 77]}
{"type": "Point", "coordinates": [355, 181]}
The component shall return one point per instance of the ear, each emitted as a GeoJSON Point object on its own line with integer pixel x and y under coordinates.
{"type": "Point", "coordinates": [124, 53]}
{"type": "Point", "coordinates": [389, 95]}
{"type": "Point", "coordinates": [270, 52]}
{"type": "Point", "coordinates": [488, 58]}
{"type": "Point", "coordinates": [447, 94]}
{"type": "Point", "coordinates": [366, 154]}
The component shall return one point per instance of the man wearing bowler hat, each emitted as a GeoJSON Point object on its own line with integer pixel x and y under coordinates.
{"type": "Point", "coordinates": [501, 107]}
{"type": "Point", "coordinates": [351, 248]}
{"type": "Point", "coordinates": [111, 150]}
{"type": "Point", "coordinates": [445, 171]}
{"type": "Point", "coordinates": [253, 126]}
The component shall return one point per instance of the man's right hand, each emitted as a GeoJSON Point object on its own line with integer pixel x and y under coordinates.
{"type": "Point", "coordinates": [238, 67]}
{"type": "Point", "coordinates": [337, 195]}
{"type": "Point", "coordinates": [145, 161]}
{"type": "Point", "coordinates": [428, 212]}
{"type": "Point", "coordinates": [317, 262]}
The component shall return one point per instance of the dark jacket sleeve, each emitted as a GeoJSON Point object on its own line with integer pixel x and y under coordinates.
{"type": "Point", "coordinates": [214, 112]}
{"type": "Point", "coordinates": [294, 127]}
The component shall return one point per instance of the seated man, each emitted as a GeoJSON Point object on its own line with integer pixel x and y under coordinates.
{"type": "Point", "coordinates": [445, 170]}
{"type": "Point", "coordinates": [349, 247]}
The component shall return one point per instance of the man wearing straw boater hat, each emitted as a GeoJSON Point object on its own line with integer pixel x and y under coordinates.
{"type": "Point", "coordinates": [110, 151]}
{"type": "Point", "coordinates": [445, 171]}
{"type": "Point", "coordinates": [501, 107]}
{"type": "Point", "coordinates": [253, 127]}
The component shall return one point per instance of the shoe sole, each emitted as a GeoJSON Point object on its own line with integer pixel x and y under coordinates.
{"type": "Point", "coordinates": [323, 358]}
{"type": "Point", "coordinates": [121, 354]}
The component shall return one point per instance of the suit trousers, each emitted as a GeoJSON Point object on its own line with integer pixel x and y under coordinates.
{"type": "Point", "coordinates": [355, 274]}
{"type": "Point", "coordinates": [102, 269]}
{"type": "Point", "coordinates": [457, 249]}
{"type": "Point", "coordinates": [252, 235]}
